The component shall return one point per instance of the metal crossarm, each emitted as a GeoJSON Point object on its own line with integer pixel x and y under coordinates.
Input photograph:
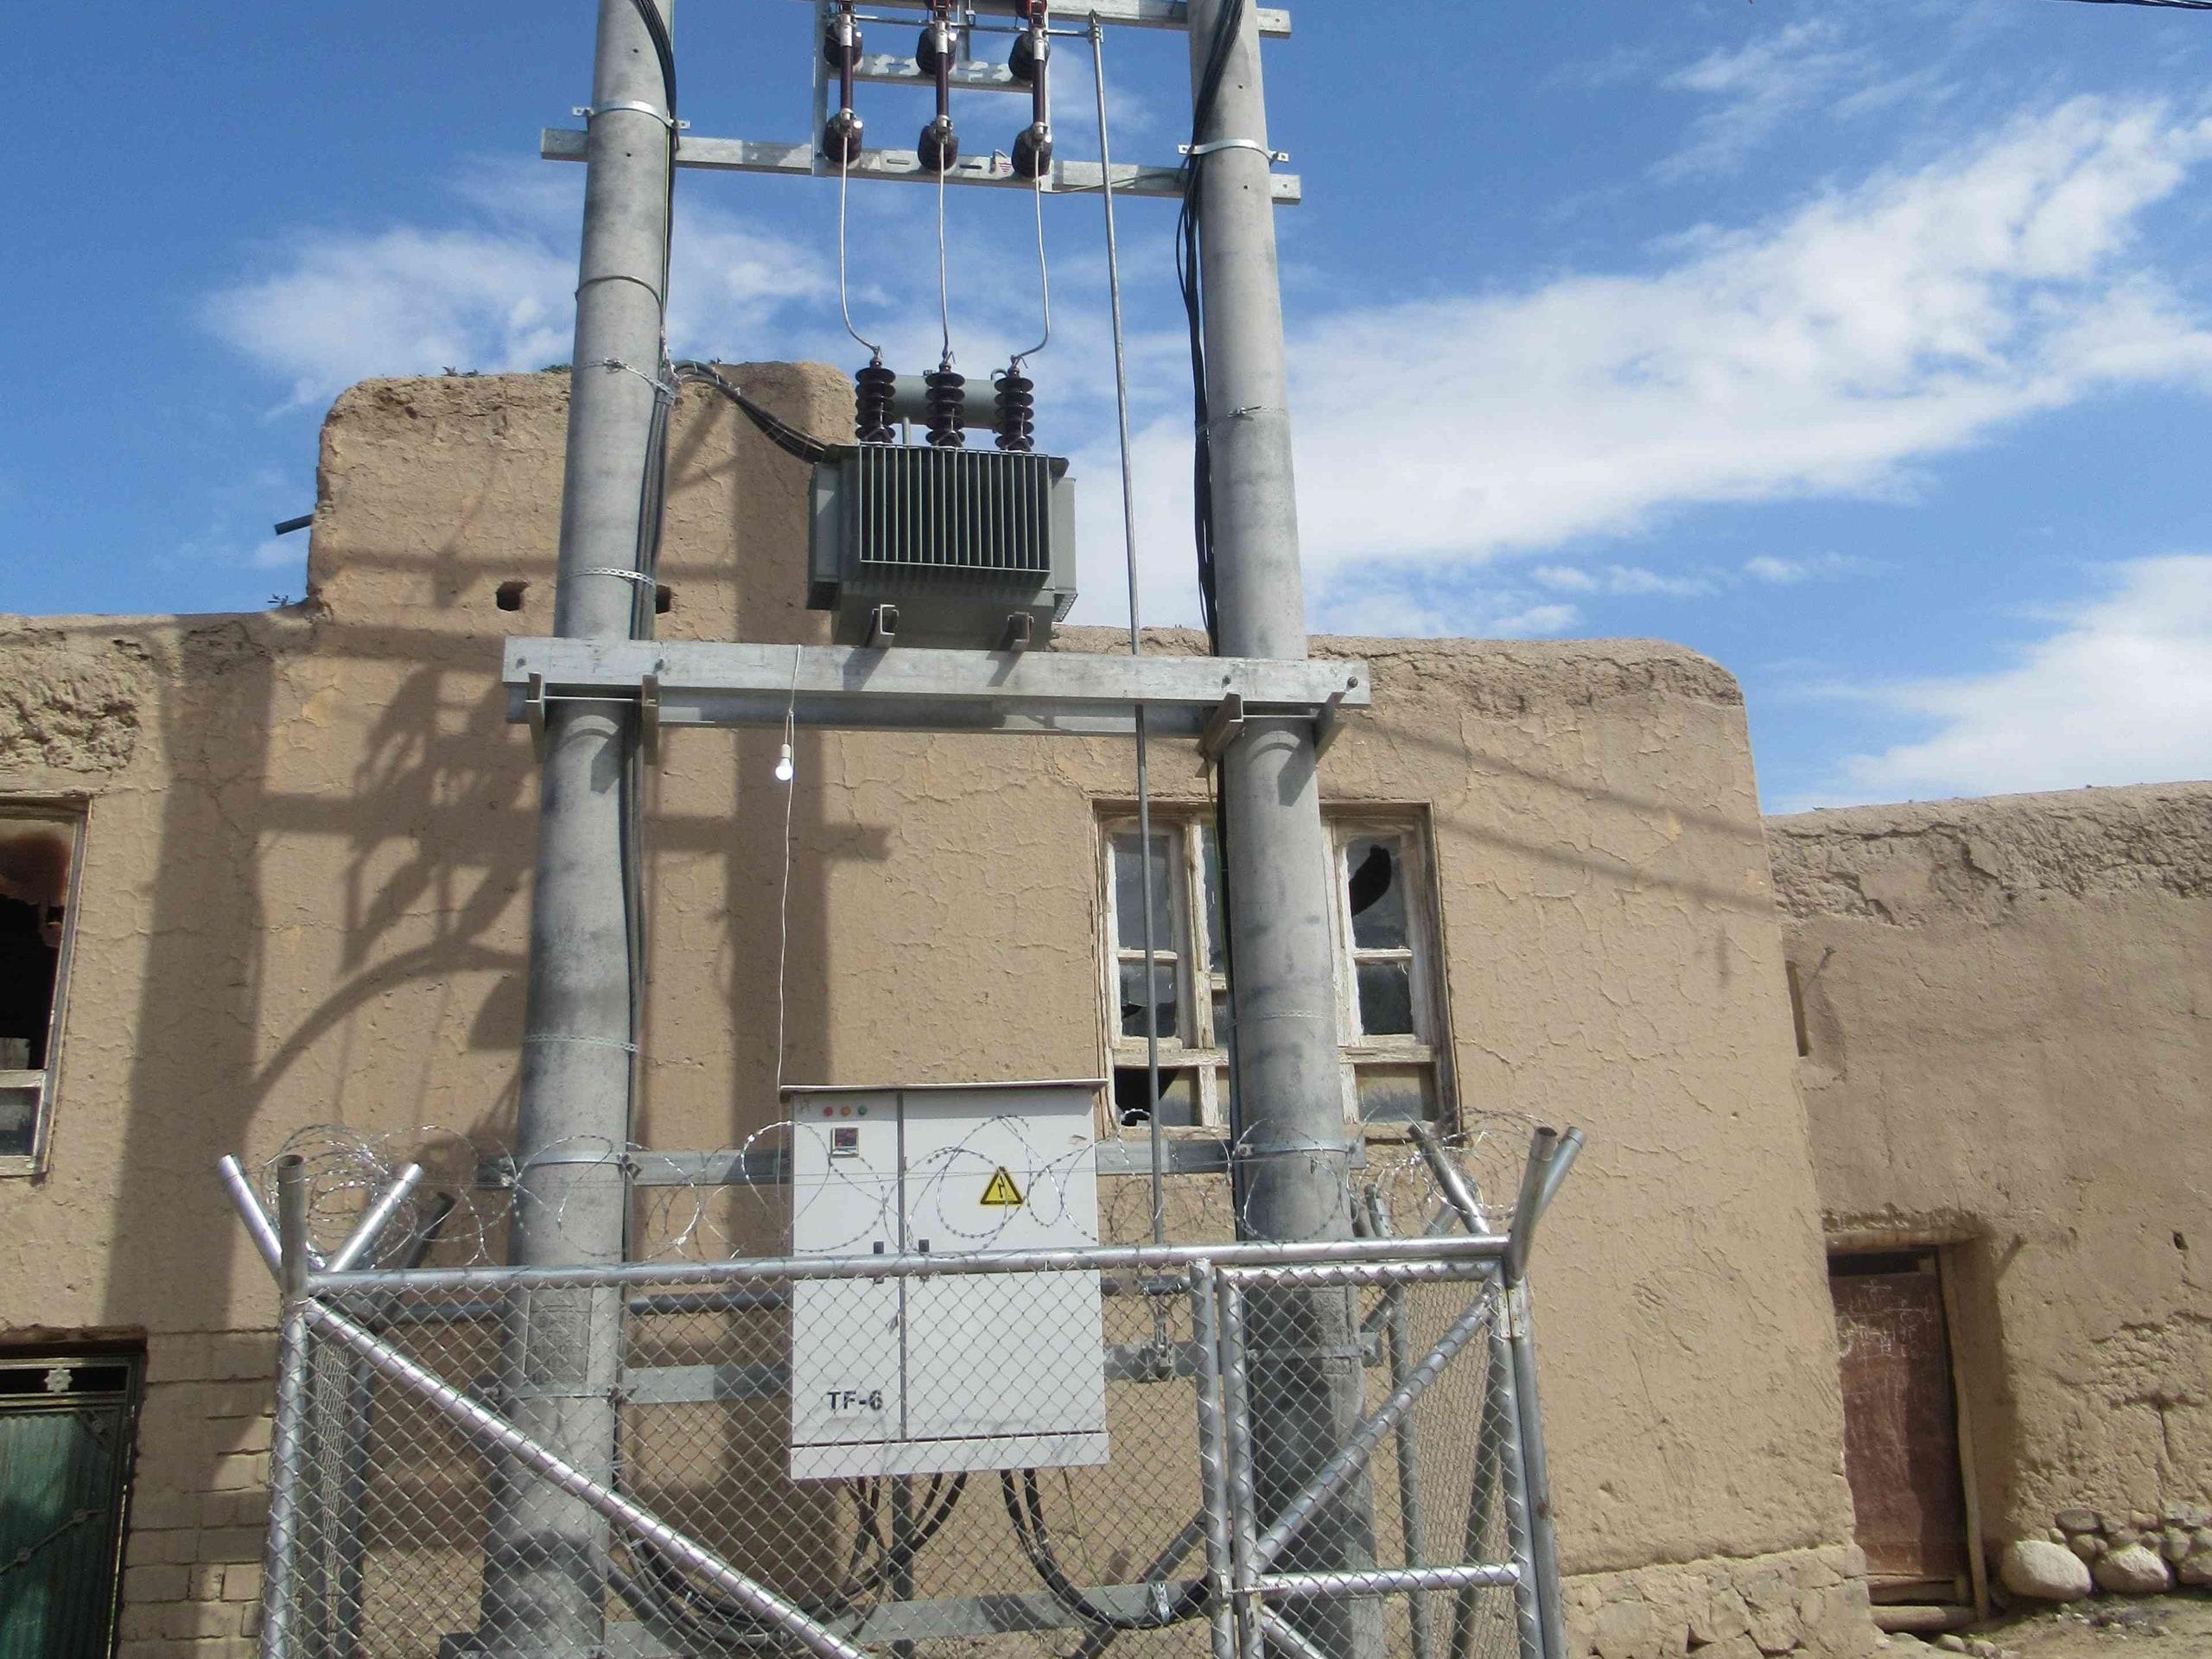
{"type": "Point", "coordinates": [1274, 21]}
{"type": "Point", "coordinates": [850, 688]}
{"type": "Point", "coordinates": [994, 170]}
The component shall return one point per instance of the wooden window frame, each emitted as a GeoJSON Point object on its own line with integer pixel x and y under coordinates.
{"type": "Point", "coordinates": [74, 813]}
{"type": "Point", "coordinates": [1198, 1049]}
{"type": "Point", "coordinates": [1195, 1048]}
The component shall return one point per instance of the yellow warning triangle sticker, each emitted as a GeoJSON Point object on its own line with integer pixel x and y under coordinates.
{"type": "Point", "coordinates": [1002, 1193]}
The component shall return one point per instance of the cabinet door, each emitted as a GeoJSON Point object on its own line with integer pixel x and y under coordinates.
{"type": "Point", "coordinates": [845, 1379]}
{"type": "Point", "coordinates": [1003, 1357]}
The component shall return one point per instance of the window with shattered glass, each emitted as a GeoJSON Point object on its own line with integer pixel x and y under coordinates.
{"type": "Point", "coordinates": [38, 859]}
{"type": "Point", "coordinates": [1383, 932]}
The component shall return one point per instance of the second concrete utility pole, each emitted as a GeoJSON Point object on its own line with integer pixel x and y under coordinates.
{"type": "Point", "coordinates": [1294, 1159]}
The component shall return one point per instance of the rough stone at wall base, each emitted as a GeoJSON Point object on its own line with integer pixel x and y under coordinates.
{"type": "Point", "coordinates": [1810, 1603]}
{"type": "Point", "coordinates": [2134, 1571]}
{"type": "Point", "coordinates": [2087, 1545]}
{"type": "Point", "coordinates": [2196, 1570]}
{"type": "Point", "coordinates": [2079, 1521]}
{"type": "Point", "coordinates": [2045, 1571]}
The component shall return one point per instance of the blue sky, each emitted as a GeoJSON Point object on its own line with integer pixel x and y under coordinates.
{"type": "Point", "coordinates": [1863, 346]}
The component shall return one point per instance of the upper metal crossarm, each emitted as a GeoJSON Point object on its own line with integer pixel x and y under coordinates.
{"type": "Point", "coordinates": [993, 171]}
{"type": "Point", "coordinates": [1274, 21]}
{"type": "Point", "coordinates": [844, 687]}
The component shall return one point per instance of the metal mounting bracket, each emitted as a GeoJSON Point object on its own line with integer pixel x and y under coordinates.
{"type": "Point", "coordinates": [649, 717]}
{"type": "Point", "coordinates": [1226, 726]}
{"type": "Point", "coordinates": [1328, 725]}
{"type": "Point", "coordinates": [533, 711]}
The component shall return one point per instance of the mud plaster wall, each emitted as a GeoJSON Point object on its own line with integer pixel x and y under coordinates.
{"type": "Point", "coordinates": [2006, 1003]}
{"type": "Point", "coordinates": [304, 901]}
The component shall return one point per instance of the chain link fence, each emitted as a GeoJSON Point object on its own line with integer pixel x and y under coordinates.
{"type": "Point", "coordinates": [1206, 1447]}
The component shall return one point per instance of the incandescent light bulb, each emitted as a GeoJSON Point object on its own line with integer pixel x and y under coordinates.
{"type": "Point", "coordinates": [784, 770]}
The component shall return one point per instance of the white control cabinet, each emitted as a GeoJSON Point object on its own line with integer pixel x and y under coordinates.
{"type": "Point", "coordinates": [966, 1372]}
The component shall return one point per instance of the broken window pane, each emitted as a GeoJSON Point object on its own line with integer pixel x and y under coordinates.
{"type": "Point", "coordinates": [1179, 1098]}
{"type": "Point", "coordinates": [1163, 994]}
{"type": "Point", "coordinates": [1128, 893]}
{"type": "Point", "coordinates": [18, 1118]}
{"type": "Point", "coordinates": [1374, 879]}
{"type": "Point", "coordinates": [34, 889]}
{"type": "Point", "coordinates": [1386, 999]}
{"type": "Point", "coordinates": [1394, 1094]}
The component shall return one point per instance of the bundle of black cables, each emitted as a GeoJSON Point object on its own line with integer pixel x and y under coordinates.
{"type": "Point", "coordinates": [661, 1590]}
{"type": "Point", "coordinates": [1190, 272]}
{"type": "Point", "coordinates": [786, 437]}
{"type": "Point", "coordinates": [1025, 1509]}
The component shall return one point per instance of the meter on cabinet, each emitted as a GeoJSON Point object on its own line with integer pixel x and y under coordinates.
{"type": "Point", "coordinates": [953, 1372]}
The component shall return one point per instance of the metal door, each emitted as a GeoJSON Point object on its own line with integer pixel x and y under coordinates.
{"type": "Point", "coordinates": [1900, 1422]}
{"type": "Point", "coordinates": [1011, 1363]}
{"type": "Point", "coordinates": [64, 1457]}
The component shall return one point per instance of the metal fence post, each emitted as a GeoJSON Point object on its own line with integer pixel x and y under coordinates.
{"type": "Point", "coordinates": [1243, 1493]}
{"type": "Point", "coordinates": [1410, 1521]}
{"type": "Point", "coordinates": [287, 1441]}
{"type": "Point", "coordinates": [1213, 1461]}
{"type": "Point", "coordinates": [1539, 1183]}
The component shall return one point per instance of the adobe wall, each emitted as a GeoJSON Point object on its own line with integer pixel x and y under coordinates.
{"type": "Point", "coordinates": [2006, 1002]}
{"type": "Point", "coordinates": [304, 903]}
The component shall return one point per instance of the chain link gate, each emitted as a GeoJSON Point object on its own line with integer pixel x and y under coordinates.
{"type": "Point", "coordinates": [398, 1469]}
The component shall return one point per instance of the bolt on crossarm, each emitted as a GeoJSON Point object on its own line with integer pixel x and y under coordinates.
{"type": "Point", "coordinates": [1307, 1391]}
{"type": "Point", "coordinates": [545, 1566]}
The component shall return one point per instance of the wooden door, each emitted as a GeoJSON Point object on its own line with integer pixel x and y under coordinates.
{"type": "Point", "coordinates": [1900, 1423]}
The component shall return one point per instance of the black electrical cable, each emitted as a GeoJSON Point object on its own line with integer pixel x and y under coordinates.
{"type": "Point", "coordinates": [1036, 1541]}
{"type": "Point", "coordinates": [709, 1616]}
{"type": "Point", "coordinates": [786, 437]}
{"type": "Point", "coordinates": [1189, 269]}
{"type": "Point", "coordinates": [664, 49]}
{"type": "Point", "coordinates": [1190, 272]}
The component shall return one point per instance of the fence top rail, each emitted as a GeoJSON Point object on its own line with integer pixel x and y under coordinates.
{"type": "Point", "coordinates": [1135, 1258]}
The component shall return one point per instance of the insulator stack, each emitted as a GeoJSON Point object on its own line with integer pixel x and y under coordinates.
{"type": "Point", "coordinates": [841, 45]}
{"type": "Point", "coordinates": [874, 388]}
{"type": "Point", "coordinates": [947, 403]}
{"type": "Point", "coordinates": [1017, 412]}
{"type": "Point", "coordinates": [1031, 64]}
{"type": "Point", "coordinates": [940, 144]}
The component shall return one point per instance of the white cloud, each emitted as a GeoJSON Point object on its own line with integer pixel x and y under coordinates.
{"type": "Point", "coordinates": [2122, 693]}
{"type": "Point", "coordinates": [1390, 613]}
{"type": "Point", "coordinates": [1757, 88]}
{"type": "Point", "coordinates": [1817, 567]}
{"type": "Point", "coordinates": [1620, 580]}
{"type": "Point", "coordinates": [1826, 354]}
{"type": "Point", "coordinates": [334, 307]}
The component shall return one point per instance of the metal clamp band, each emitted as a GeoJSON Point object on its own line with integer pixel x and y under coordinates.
{"type": "Point", "coordinates": [590, 111]}
{"type": "Point", "coordinates": [637, 576]}
{"type": "Point", "coordinates": [667, 391]}
{"type": "Point", "coordinates": [1198, 152]}
{"type": "Point", "coordinates": [585, 1042]}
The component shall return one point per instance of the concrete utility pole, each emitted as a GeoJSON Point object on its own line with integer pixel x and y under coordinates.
{"type": "Point", "coordinates": [546, 1568]}
{"type": "Point", "coordinates": [1306, 1389]}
